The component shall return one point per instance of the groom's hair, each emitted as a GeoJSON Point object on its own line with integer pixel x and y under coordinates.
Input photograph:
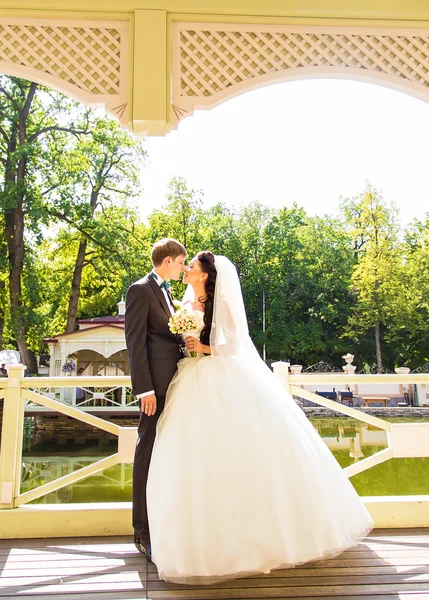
{"type": "Point", "coordinates": [167, 247]}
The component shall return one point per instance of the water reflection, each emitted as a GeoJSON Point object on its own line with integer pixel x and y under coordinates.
{"type": "Point", "coordinates": [359, 439]}
{"type": "Point", "coordinates": [349, 441]}
{"type": "Point", "coordinates": [111, 485]}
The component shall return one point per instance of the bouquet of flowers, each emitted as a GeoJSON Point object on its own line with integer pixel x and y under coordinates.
{"type": "Point", "coordinates": [186, 323]}
{"type": "Point", "coordinates": [69, 366]}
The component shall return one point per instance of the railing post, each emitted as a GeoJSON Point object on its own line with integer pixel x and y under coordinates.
{"type": "Point", "coordinates": [12, 437]}
{"type": "Point", "coordinates": [281, 370]}
{"type": "Point", "coordinates": [73, 396]}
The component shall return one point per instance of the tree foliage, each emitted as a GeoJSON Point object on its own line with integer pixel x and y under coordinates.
{"type": "Point", "coordinates": [72, 241]}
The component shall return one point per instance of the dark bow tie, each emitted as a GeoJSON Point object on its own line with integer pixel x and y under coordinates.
{"type": "Point", "coordinates": [165, 285]}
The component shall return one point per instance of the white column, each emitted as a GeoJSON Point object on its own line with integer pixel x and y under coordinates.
{"type": "Point", "coordinates": [11, 441]}
{"type": "Point", "coordinates": [63, 350]}
{"type": "Point", "coordinates": [281, 370]}
{"type": "Point", "coordinates": [51, 360]}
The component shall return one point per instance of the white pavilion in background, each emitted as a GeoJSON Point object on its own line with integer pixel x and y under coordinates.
{"type": "Point", "coordinates": [97, 347]}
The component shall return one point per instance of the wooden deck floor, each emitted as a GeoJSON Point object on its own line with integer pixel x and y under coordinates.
{"type": "Point", "coordinates": [388, 565]}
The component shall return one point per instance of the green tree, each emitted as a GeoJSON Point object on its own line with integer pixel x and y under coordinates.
{"type": "Point", "coordinates": [29, 115]}
{"type": "Point", "coordinates": [105, 277]}
{"type": "Point", "coordinates": [179, 218]}
{"type": "Point", "coordinates": [326, 264]}
{"type": "Point", "coordinates": [410, 327]}
{"type": "Point", "coordinates": [103, 170]}
{"type": "Point", "coordinates": [377, 282]}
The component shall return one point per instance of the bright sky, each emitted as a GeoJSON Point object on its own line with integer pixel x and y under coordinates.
{"type": "Point", "coordinates": [308, 142]}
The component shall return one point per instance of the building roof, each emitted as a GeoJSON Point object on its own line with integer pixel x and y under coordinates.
{"type": "Point", "coordinates": [114, 320]}
{"type": "Point", "coordinates": [116, 326]}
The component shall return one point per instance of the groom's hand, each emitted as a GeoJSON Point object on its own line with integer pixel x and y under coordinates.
{"type": "Point", "coordinates": [149, 405]}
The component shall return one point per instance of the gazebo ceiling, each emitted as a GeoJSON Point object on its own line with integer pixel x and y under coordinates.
{"type": "Point", "coordinates": [152, 63]}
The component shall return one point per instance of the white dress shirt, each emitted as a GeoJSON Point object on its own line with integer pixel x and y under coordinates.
{"type": "Point", "coordinates": [159, 280]}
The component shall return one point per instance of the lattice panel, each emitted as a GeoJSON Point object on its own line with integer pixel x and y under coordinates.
{"type": "Point", "coordinates": [88, 57]}
{"type": "Point", "coordinates": [211, 59]}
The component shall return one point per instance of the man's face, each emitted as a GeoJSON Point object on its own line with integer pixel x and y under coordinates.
{"type": "Point", "coordinates": [176, 267]}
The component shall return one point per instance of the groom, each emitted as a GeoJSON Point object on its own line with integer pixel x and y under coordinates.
{"type": "Point", "coordinates": [153, 355]}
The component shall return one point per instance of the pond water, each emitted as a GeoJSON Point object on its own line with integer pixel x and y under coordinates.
{"type": "Point", "coordinates": [349, 441]}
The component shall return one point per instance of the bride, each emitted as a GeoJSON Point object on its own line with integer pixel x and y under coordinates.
{"type": "Point", "coordinates": [240, 481]}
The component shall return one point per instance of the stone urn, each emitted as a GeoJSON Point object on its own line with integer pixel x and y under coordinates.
{"type": "Point", "coordinates": [348, 358]}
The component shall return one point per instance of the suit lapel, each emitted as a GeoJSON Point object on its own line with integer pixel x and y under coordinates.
{"type": "Point", "coordinates": [159, 293]}
{"type": "Point", "coordinates": [170, 296]}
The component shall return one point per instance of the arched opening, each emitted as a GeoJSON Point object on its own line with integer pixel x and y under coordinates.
{"type": "Point", "coordinates": [90, 362]}
{"type": "Point", "coordinates": [220, 60]}
{"type": "Point", "coordinates": [390, 81]}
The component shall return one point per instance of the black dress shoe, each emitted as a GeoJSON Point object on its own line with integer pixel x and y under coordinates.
{"type": "Point", "coordinates": [144, 547]}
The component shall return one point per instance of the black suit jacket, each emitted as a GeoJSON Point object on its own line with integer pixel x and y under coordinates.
{"type": "Point", "coordinates": [153, 350]}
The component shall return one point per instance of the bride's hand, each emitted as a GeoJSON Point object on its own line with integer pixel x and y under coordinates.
{"type": "Point", "coordinates": [193, 344]}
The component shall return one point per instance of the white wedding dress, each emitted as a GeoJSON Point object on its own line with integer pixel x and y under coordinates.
{"type": "Point", "coordinates": [240, 482]}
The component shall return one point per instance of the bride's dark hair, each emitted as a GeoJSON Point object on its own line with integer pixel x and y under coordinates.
{"type": "Point", "coordinates": [207, 264]}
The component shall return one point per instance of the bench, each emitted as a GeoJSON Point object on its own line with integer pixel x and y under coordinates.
{"type": "Point", "coordinates": [371, 399]}
{"type": "Point", "coordinates": [347, 396]}
{"type": "Point", "coordinates": [329, 395]}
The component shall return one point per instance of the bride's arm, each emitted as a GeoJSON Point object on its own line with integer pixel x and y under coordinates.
{"type": "Point", "coordinates": [203, 349]}
{"type": "Point", "coordinates": [195, 345]}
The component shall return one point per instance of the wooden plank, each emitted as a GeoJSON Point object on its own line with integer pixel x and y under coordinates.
{"type": "Point", "coordinates": [126, 545]}
{"type": "Point", "coordinates": [67, 570]}
{"type": "Point", "coordinates": [61, 564]}
{"type": "Point", "coordinates": [129, 550]}
{"type": "Point", "coordinates": [71, 541]}
{"type": "Point", "coordinates": [287, 582]}
{"type": "Point", "coordinates": [134, 580]}
{"type": "Point", "coordinates": [81, 550]}
{"type": "Point", "coordinates": [370, 559]}
{"type": "Point", "coordinates": [368, 562]}
{"type": "Point", "coordinates": [33, 562]}
{"type": "Point", "coordinates": [386, 554]}
{"type": "Point", "coordinates": [112, 547]}
{"type": "Point", "coordinates": [138, 596]}
{"type": "Point", "coordinates": [66, 588]}
{"type": "Point", "coordinates": [302, 592]}
{"type": "Point", "coordinates": [126, 540]}
{"type": "Point", "coordinates": [188, 593]}
{"type": "Point", "coordinates": [57, 560]}
{"type": "Point", "coordinates": [411, 533]}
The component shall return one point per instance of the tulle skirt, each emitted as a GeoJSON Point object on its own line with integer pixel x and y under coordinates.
{"type": "Point", "coordinates": [240, 482]}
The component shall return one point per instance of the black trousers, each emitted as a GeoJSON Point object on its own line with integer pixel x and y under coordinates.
{"type": "Point", "coordinates": [146, 438]}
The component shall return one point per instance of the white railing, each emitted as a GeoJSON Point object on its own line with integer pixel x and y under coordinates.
{"type": "Point", "coordinates": [94, 397]}
{"type": "Point", "coordinates": [18, 391]}
{"type": "Point", "coordinates": [403, 439]}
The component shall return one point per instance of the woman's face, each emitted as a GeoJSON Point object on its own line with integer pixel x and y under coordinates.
{"type": "Point", "coordinates": [194, 273]}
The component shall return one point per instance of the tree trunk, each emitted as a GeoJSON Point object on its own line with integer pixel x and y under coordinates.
{"type": "Point", "coordinates": [3, 296]}
{"type": "Point", "coordinates": [15, 240]}
{"type": "Point", "coordinates": [15, 174]}
{"type": "Point", "coordinates": [78, 268]}
{"type": "Point", "coordinates": [2, 311]}
{"type": "Point", "coordinates": [75, 288]}
{"type": "Point", "coordinates": [378, 346]}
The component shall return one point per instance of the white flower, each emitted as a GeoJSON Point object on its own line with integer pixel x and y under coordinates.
{"type": "Point", "coordinates": [184, 321]}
